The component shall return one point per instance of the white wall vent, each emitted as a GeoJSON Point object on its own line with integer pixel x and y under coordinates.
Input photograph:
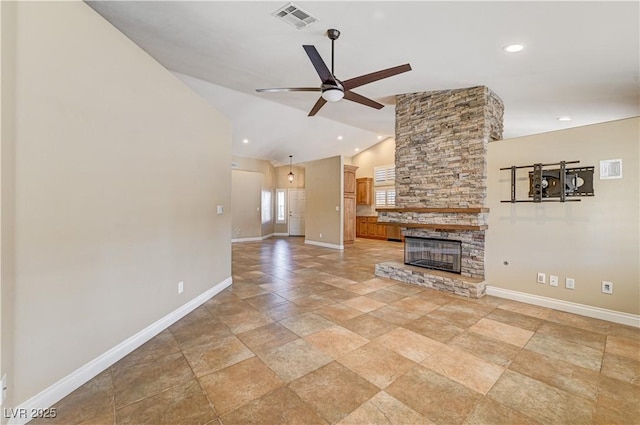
{"type": "Point", "coordinates": [611, 169]}
{"type": "Point", "coordinates": [294, 15]}
{"type": "Point", "coordinates": [235, 165]}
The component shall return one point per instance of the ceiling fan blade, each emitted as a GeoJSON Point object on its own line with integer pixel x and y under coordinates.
{"type": "Point", "coordinates": [319, 104]}
{"type": "Point", "coordinates": [319, 65]}
{"type": "Point", "coordinates": [352, 83]}
{"type": "Point", "coordinates": [355, 97]}
{"type": "Point", "coordinates": [285, 89]}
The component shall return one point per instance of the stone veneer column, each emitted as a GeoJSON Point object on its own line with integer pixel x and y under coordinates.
{"type": "Point", "coordinates": [441, 146]}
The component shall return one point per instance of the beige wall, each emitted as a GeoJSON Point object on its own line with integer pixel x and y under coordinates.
{"type": "Point", "coordinates": [323, 193]}
{"type": "Point", "coordinates": [383, 153]}
{"type": "Point", "coordinates": [593, 240]}
{"type": "Point", "coordinates": [7, 185]}
{"type": "Point", "coordinates": [266, 192]}
{"type": "Point", "coordinates": [246, 208]}
{"type": "Point", "coordinates": [118, 171]}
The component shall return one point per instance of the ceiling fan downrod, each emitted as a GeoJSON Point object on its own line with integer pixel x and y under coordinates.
{"type": "Point", "coordinates": [333, 35]}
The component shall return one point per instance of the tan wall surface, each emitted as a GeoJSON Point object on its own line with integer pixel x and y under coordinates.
{"type": "Point", "coordinates": [7, 184]}
{"type": "Point", "coordinates": [593, 240]}
{"type": "Point", "coordinates": [266, 194]}
{"type": "Point", "coordinates": [246, 204]}
{"type": "Point", "coordinates": [324, 193]}
{"type": "Point", "coordinates": [383, 153]}
{"type": "Point", "coordinates": [119, 168]}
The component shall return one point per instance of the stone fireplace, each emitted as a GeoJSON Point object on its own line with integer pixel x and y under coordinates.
{"type": "Point", "coordinates": [441, 146]}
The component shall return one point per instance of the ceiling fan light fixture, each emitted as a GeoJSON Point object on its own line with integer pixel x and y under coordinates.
{"type": "Point", "coordinates": [332, 94]}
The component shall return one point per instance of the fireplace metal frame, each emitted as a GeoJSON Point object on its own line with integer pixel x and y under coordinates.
{"type": "Point", "coordinates": [452, 241]}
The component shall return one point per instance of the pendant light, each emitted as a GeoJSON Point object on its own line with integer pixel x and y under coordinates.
{"type": "Point", "coordinates": [290, 175]}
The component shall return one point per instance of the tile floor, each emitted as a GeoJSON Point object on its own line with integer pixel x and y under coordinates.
{"type": "Point", "coordinates": [308, 335]}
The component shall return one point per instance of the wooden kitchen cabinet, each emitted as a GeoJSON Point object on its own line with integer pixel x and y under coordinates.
{"type": "Point", "coordinates": [368, 227]}
{"type": "Point", "coordinates": [349, 205]}
{"type": "Point", "coordinates": [364, 191]}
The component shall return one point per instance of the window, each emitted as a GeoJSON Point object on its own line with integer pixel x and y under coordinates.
{"type": "Point", "coordinates": [281, 206]}
{"type": "Point", "coordinates": [384, 175]}
{"type": "Point", "coordinates": [386, 197]}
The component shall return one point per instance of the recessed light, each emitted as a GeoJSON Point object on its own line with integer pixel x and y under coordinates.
{"type": "Point", "coordinates": [379, 137]}
{"type": "Point", "coordinates": [513, 48]}
{"type": "Point", "coordinates": [357, 149]}
{"type": "Point", "coordinates": [565, 118]}
{"type": "Point", "coordinates": [339, 137]}
{"type": "Point", "coordinates": [245, 141]}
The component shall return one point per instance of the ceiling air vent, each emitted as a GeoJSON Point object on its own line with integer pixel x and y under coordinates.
{"type": "Point", "coordinates": [235, 165]}
{"type": "Point", "coordinates": [294, 15]}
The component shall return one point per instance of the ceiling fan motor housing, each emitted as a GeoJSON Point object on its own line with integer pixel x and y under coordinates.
{"type": "Point", "coordinates": [333, 34]}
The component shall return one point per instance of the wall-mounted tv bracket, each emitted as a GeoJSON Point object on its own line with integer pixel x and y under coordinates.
{"type": "Point", "coordinates": [554, 185]}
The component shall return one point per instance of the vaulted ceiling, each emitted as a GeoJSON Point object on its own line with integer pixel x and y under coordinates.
{"type": "Point", "coordinates": [581, 60]}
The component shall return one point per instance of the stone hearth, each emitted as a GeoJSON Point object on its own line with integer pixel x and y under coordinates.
{"type": "Point", "coordinates": [441, 180]}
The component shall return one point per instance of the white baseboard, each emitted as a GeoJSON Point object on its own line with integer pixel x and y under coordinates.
{"type": "Point", "coordinates": [56, 392]}
{"type": "Point", "coordinates": [251, 239]}
{"type": "Point", "coordinates": [281, 234]}
{"type": "Point", "coordinates": [567, 306]}
{"type": "Point", "coordinates": [267, 236]}
{"type": "Point", "coordinates": [323, 244]}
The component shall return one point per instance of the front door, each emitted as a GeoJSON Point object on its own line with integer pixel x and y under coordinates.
{"type": "Point", "coordinates": [296, 212]}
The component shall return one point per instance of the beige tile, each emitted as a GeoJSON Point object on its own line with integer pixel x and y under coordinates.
{"type": "Point", "coordinates": [570, 352]}
{"type": "Point", "coordinates": [583, 322]}
{"type": "Point", "coordinates": [416, 305]}
{"type": "Point", "coordinates": [157, 347]}
{"type": "Point", "coordinates": [526, 309]}
{"type": "Point", "coordinates": [92, 403]}
{"type": "Point", "coordinates": [435, 329]}
{"type": "Point", "coordinates": [245, 321]}
{"type": "Point", "coordinates": [294, 359]}
{"type": "Point", "coordinates": [617, 402]}
{"type": "Point", "coordinates": [560, 374]}
{"type": "Point", "coordinates": [394, 315]}
{"type": "Point", "coordinates": [306, 323]}
{"type": "Point", "coordinates": [515, 319]}
{"type": "Point", "coordinates": [489, 412]}
{"type": "Point", "coordinates": [486, 348]}
{"type": "Point", "coordinates": [385, 296]}
{"type": "Point", "coordinates": [383, 409]}
{"type": "Point", "coordinates": [502, 332]}
{"type": "Point", "coordinates": [464, 368]}
{"type": "Point", "coordinates": [594, 340]}
{"type": "Point", "coordinates": [336, 341]}
{"type": "Point", "coordinates": [267, 337]}
{"type": "Point", "coordinates": [622, 368]}
{"type": "Point", "coordinates": [623, 347]}
{"type": "Point", "coordinates": [368, 326]}
{"type": "Point", "coordinates": [333, 391]}
{"type": "Point", "coordinates": [549, 405]}
{"type": "Point", "coordinates": [436, 397]}
{"type": "Point", "coordinates": [236, 385]}
{"type": "Point", "coordinates": [134, 383]}
{"type": "Point", "coordinates": [282, 406]}
{"type": "Point", "coordinates": [338, 312]}
{"type": "Point", "coordinates": [184, 404]}
{"type": "Point", "coordinates": [376, 364]}
{"type": "Point", "coordinates": [409, 344]}
{"type": "Point", "coordinates": [364, 304]}
{"type": "Point", "coordinates": [221, 353]}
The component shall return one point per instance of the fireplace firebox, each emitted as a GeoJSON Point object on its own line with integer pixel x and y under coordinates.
{"type": "Point", "coordinates": [437, 254]}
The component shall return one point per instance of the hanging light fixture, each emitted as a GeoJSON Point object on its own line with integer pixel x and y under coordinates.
{"type": "Point", "coordinates": [290, 175]}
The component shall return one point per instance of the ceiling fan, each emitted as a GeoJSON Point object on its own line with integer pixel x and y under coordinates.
{"type": "Point", "coordinates": [333, 89]}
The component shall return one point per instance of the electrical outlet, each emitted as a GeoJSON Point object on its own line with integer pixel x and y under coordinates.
{"type": "Point", "coordinates": [320, 235]}
{"type": "Point", "coordinates": [238, 232]}
{"type": "Point", "coordinates": [607, 287]}
{"type": "Point", "coordinates": [542, 278]}
{"type": "Point", "coordinates": [4, 387]}
{"type": "Point", "coordinates": [180, 287]}
{"type": "Point", "coordinates": [570, 283]}
{"type": "Point", "coordinates": [553, 280]}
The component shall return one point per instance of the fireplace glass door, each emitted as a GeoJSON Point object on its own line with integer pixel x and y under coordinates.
{"type": "Point", "coordinates": [438, 254]}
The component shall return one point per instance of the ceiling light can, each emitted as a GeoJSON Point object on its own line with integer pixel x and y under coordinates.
{"type": "Point", "coordinates": [513, 48]}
